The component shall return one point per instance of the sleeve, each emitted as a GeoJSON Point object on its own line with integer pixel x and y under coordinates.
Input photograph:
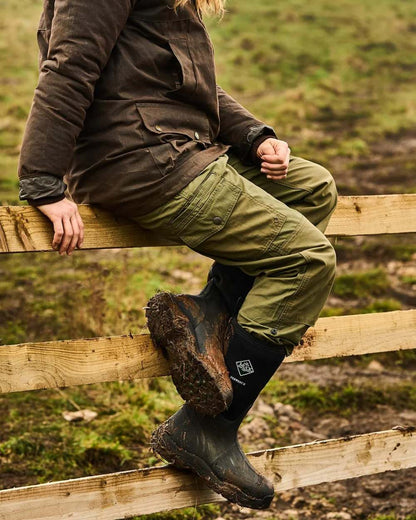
{"type": "Point", "coordinates": [83, 34]}
{"type": "Point", "coordinates": [238, 127]}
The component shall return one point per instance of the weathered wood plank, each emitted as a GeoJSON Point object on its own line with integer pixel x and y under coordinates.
{"type": "Point", "coordinates": [373, 215]}
{"type": "Point", "coordinates": [30, 366]}
{"type": "Point", "coordinates": [340, 336]}
{"type": "Point", "coordinates": [24, 228]}
{"type": "Point", "coordinates": [52, 364]}
{"type": "Point", "coordinates": [140, 492]}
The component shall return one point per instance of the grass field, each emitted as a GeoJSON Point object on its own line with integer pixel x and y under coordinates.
{"type": "Point", "coordinates": [336, 80]}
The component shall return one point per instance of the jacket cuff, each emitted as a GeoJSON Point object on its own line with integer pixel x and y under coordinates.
{"type": "Point", "coordinates": [45, 200]}
{"type": "Point", "coordinates": [41, 187]}
{"type": "Point", "coordinates": [252, 134]}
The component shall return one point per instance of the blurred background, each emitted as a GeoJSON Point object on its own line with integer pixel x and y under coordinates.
{"type": "Point", "coordinates": [337, 81]}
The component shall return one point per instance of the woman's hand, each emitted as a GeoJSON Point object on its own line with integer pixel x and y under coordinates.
{"type": "Point", "coordinates": [67, 225]}
{"type": "Point", "coordinates": [274, 155]}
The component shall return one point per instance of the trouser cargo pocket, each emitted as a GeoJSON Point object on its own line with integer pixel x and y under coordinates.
{"type": "Point", "coordinates": [207, 211]}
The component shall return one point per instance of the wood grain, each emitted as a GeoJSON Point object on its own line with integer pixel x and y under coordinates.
{"type": "Point", "coordinates": [140, 492]}
{"type": "Point", "coordinates": [373, 215]}
{"type": "Point", "coordinates": [24, 228]}
{"type": "Point", "coordinates": [52, 364]}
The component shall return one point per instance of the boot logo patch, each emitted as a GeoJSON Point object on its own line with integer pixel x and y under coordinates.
{"type": "Point", "coordinates": [245, 367]}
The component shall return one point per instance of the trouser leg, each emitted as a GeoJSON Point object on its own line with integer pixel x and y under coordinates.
{"type": "Point", "coordinates": [309, 188]}
{"type": "Point", "coordinates": [223, 215]}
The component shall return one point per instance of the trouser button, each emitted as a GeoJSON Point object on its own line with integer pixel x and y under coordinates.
{"type": "Point", "coordinates": [217, 221]}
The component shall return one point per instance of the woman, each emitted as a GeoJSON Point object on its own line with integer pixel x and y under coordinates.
{"type": "Point", "coordinates": [128, 110]}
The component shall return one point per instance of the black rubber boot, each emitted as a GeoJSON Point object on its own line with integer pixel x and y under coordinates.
{"type": "Point", "coordinates": [232, 284]}
{"type": "Point", "coordinates": [192, 332]}
{"type": "Point", "coordinates": [208, 446]}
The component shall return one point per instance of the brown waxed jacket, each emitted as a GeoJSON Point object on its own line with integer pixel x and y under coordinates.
{"type": "Point", "coordinates": [127, 107]}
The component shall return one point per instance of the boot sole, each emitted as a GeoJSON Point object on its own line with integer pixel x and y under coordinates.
{"type": "Point", "coordinates": [197, 381]}
{"type": "Point", "coordinates": [163, 445]}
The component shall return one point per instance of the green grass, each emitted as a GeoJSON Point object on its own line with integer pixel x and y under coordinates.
{"type": "Point", "coordinates": [118, 438]}
{"type": "Point", "coordinates": [191, 513]}
{"type": "Point", "coordinates": [380, 248]}
{"type": "Point", "coordinates": [89, 294]}
{"type": "Point", "coordinates": [362, 284]}
{"type": "Point", "coordinates": [18, 65]}
{"type": "Point", "coordinates": [332, 78]}
{"type": "Point", "coordinates": [340, 400]}
{"type": "Point", "coordinates": [408, 280]}
{"type": "Point", "coordinates": [344, 68]}
{"type": "Point", "coordinates": [386, 305]}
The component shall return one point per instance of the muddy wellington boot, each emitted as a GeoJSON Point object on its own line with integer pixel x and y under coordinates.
{"type": "Point", "coordinates": [208, 446]}
{"type": "Point", "coordinates": [192, 332]}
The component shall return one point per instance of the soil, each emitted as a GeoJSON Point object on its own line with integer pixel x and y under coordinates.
{"type": "Point", "coordinates": [389, 168]}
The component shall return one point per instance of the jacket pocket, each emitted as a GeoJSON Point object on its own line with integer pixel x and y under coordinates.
{"type": "Point", "coordinates": [187, 78]}
{"type": "Point", "coordinates": [170, 131]}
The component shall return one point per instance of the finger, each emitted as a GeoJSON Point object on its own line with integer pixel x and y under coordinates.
{"type": "Point", "coordinates": [275, 158]}
{"type": "Point", "coordinates": [68, 233]}
{"type": "Point", "coordinates": [58, 233]}
{"type": "Point", "coordinates": [265, 148]}
{"type": "Point", "coordinates": [75, 236]}
{"type": "Point", "coordinates": [273, 166]}
{"type": "Point", "coordinates": [280, 174]}
{"type": "Point", "coordinates": [274, 169]}
{"type": "Point", "coordinates": [287, 160]}
{"type": "Point", "coordinates": [81, 229]}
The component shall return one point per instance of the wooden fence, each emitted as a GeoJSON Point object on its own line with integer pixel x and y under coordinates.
{"type": "Point", "coordinates": [53, 364]}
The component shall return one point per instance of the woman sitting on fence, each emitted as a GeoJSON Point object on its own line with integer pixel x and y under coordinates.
{"type": "Point", "coordinates": [128, 110]}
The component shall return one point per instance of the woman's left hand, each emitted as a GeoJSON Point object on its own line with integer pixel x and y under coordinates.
{"type": "Point", "coordinates": [274, 155]}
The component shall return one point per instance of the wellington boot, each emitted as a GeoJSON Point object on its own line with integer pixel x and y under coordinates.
{"type": "Point", "coordinates": [192, 332]}
{"type": "Point", "coordinates": [209, 447]}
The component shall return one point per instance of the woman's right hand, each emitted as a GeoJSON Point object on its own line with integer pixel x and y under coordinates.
{"type": "Point", "coordinates": [67, 225]}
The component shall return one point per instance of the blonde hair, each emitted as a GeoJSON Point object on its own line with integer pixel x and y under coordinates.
{"type": "Point", "coordinates": [204, 6]}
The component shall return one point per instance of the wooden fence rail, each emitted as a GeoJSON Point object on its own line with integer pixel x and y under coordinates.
{"type": "Point", "coordinates": [72, 362]}
{"type": "Point", "coordinates": [52, 364]}
{"type": "Point", "coordinates": [23, 228]}
{"type": "Point", "coordinates": [140, 492]}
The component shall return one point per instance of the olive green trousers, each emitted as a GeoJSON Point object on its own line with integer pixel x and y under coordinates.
{"type": "Point", "coordinates": [272, 230]}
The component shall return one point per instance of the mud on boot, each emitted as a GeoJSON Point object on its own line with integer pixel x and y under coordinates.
{"type": "Point", "coordinates": [192, 333]}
